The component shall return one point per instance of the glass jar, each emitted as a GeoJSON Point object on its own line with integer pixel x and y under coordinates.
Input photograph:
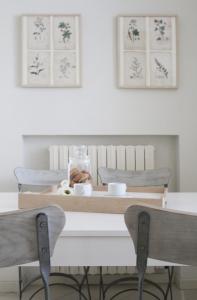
{"type": "Point", "coordinates": [79, 166]}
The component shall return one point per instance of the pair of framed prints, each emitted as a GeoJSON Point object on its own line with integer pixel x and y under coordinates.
{"type": "Point", "coordinates": [146, 49]}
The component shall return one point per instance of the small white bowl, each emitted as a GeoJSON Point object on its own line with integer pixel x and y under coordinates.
{"type": "Point", "coordinates": [82, 189]}
{"type": "Point", "coordinates": [117, 189]}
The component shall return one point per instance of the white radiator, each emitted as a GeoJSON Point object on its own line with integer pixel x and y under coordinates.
{"type": "Point", "coordinates": [120, 157]}
{"type": "Point", "coordinates": [140, 157]}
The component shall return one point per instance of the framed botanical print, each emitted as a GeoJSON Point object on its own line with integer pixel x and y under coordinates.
{"type": "Point", "coordinates": [51, 51]}
{"type": "Point", "coordinates": [147, 52]}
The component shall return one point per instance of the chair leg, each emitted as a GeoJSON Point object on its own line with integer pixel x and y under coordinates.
{"type": "Point", "coordinates": [86, 270]}
{"type": "Point", "coordinates": [46, 289]}
{"type": "Point", "coordinates": [43, 251]}
{"type": "Point", "coordinates": [142, 249]}
{"type": "Point", "coordinates": [140, 285]}
{"type": "Point", "coordinates": [101, 285]}
{"type": "Point", "coordinates": [85, 278]}
{"type": "Point", "coordinates": [170, 280]}
{"type": "Point", "coordinates": [20, 282]}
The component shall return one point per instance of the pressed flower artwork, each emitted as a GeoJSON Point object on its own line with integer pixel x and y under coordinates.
{"type": "Point", "coordinates": [134, 33]}
{"type": "Point", "coordinates": [38, 32]}
{"type": "Point", "coordinates": [38, 68]}
{"type": "Point", "coordinates": [64, 68]}
{"type": "Point", "coordinates": [161, 69]}
{"type": "Point", "coordinates": [51, 51]}
{"type": "Point", "coordinates": [134, 65]}
{"type": "Point", "coordinates": [161, 33]}
{"type": "Point", "coordinates": [64, 32]}
{"type": "Point", "coordinates": [147, 52]}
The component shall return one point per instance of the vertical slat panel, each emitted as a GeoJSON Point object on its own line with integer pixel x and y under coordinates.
{"type": "Point", "coordinates": [139, 158]}
{"type": "Point", "coordinates": [54, 157]}
{"type": "Point", "coordinates": [130, 158]}
{"type": "Point", "coordinates": [92, 153]}
{"type": "Point", "coordinates": [102, 158]}
{"type": "Point", "coordinates": [121, 157]}
{"type": "Point", "coordinates": [63, 159]}
{"type": "Point", "coordinates": [111, 156]}
{"type": "Point", "coordinates": [72, 148]}
{"type": "Point", "coordinates": [70, 151]}
{"type": "Point", "coordinates": [149, 157]}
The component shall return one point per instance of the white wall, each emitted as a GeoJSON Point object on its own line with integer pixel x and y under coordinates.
{"type": "Point", "coordinates": [99, 107]}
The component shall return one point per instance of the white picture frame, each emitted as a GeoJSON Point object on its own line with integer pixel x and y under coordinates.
{"type": "Point", "coordinates": [147, 51]}
{"type": "Point", "coordinates": [51, 51]}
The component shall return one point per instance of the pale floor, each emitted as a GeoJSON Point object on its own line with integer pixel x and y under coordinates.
{"type": "Point", "coordinates": [65, 293]}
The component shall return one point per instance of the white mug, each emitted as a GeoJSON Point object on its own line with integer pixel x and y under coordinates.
{"type": "Point", "coordinates": [82, 189]}
{"type": "Point", "coordinates": [117, 189]}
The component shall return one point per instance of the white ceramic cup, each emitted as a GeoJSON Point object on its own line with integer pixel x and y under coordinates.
{"type": "Point", "coordinates": [82, 189]}
{"type": "Point", "coordinates": [117, 189]}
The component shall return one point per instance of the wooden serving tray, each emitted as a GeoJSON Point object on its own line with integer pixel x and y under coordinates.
{"type": "Point", "coordinates": [98, 203]}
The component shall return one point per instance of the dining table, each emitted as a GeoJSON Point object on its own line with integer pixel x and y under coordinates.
{"type": "Point", "coordinates": [100, 239]}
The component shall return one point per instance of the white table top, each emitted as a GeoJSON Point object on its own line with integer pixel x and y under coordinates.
{"type": "Point", "coordinates": [95, 239]}
{"type": "Point", "coordinates": [97, 224]}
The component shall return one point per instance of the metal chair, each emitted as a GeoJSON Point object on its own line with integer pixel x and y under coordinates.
{"type": "Point", "coordinates": [133, 179]}
{"type": "Point", "coordinates": [161, 234]}
{"type": "Point", "coordinates": [155, 177]}
{"type": "Point", "coordinates": [30, 235]}
{"type": "Point", "coordinates": [28, 179]}
{"type": "Point", "coordinates": [39, 178]}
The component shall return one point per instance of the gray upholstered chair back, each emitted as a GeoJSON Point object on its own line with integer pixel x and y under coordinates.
{"type": "Point", "coordinates": [18, 235]}
{"type": "Point", "coordinates": [172, 234]}
{"type": "Point", "coordinates": [156, 177]}
{"type": "Point", "coordinates": [30, 177]}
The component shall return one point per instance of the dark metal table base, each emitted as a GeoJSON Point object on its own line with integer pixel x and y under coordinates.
{"type": "Point", "coordinates": [163, 293]}
{"type": "Point", "coordinates": [76, 284]}
{"type": "Point", "coordinates": [103, 288]}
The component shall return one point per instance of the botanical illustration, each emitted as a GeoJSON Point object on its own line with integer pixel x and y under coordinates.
{"type": "Point", "coordinates": [161, 33]}
{"type": "Point", "coordinates": [64, 68]}
{"type": "Point", "coordinates": [160, 30]}
{"type": "Point", "coordinates": [134, 69]}
{"type": "Point", "coordinates": [134, 33]}
{"type": "Point", "coordinates": [39, 28]}
{"type": "Point", "coordinates": [38, 32]}
{"type": "Point", "coordinates": [64, 32]}
{"type": "Point", "coordinates": [65, 29]}
{"type": "Point", "coordinates": [161, 71]}
{"type": "Point", "coordinates": [38, 68]}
